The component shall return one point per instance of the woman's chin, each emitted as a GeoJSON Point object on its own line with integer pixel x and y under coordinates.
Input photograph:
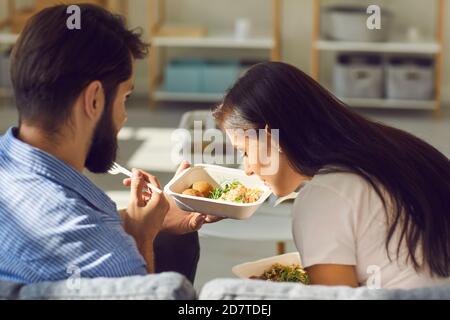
{"type": "Point", "coordinates": [280, 193]}
{"type": "Point", "coordinates": [276, 191]}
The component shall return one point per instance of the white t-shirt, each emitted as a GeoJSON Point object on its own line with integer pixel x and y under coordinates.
{"type": "Point", "coordinates": [338, 218]}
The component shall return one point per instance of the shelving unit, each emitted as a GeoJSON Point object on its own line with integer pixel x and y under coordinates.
{"type": "Point", "coordinates": [433, 47]}
{"type": "Point", "coordinates": [161, 95]}
{"type": "Point", "coordinates": [7, 38]}
{"type": "Point", "coordinates": [387, 47]}
{"type": "Point", "coordinates": [391, 103]}
{"type": "Point", "coordinates": [214, 41]}
{"type": "Point", "coordinates": [270, 43]}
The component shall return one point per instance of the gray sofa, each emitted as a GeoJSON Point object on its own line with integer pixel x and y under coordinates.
{"type": "Point", "coordinates": [164, 286]}
{"type": "Point", "coordinates": [174, 286]}
{"type": "Point", "coordinates": [236, 289]}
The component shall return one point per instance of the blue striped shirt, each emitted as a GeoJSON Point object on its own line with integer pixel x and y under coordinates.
{"type": "Point", "coordinates": [55, 223]}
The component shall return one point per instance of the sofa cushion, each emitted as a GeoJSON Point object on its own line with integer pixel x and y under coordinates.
{"type": "Point", "coordinates": [236, 289]}
{"type": "Point", "coordinates": [165, 286]}
{"type": "Point", "coordinates": [9, 290]}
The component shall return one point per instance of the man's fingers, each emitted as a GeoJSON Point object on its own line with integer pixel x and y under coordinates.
{"type": "Point", "coordinates": [151, 178]}
{"type": "Point", "coordinates": [183, 166]}
{"type": "Point", "coordinates": [137, 185]}
{"type": "Point", "coordinates": [197, 221]}
{"type": "Point", "coordinates": [145, 176]}
{"type": "Point", "coordinates": [127, 182]}
{"type": "Point", "coordinates": [213, 219]}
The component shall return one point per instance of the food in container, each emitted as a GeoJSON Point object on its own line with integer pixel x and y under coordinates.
{"type": "Point", "coordinates": [228, 191]}
{"type": "Point", "coordinates": [233, 194]}
{"type": "Point", "coordinates": [282, 268]}
{"type": "Point", "coordinates": [284, 273]}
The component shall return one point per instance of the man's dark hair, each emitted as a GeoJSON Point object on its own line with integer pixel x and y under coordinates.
{"type": "Point", "coordinates": [52, 65]}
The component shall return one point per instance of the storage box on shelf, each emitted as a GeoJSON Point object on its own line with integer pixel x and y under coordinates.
{"type": "Point", "coordinates": [183, 76]}
{"type": "Point", "coordinates": [398, 79]}
{"type": "Point", "coordinates": [178, 30]}
{"type": "Point", "coordinates": [200, 76]}
{"type": "Point", "coordinates": [343, 19]}
{"type": "Point", "coordinates": [218, 76]}
{"type": "Point", "coordinates": [410, 78]}
{"type": "Point", "coordinates": [358, 76]}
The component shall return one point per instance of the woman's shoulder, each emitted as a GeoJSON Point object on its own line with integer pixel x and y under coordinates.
{"type": "Point", "coordinates": [344, 183]}
{"type": "Point", "coordinates": [338, 191]}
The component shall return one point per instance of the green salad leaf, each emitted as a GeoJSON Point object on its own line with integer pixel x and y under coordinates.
{"type": "Point", "coordinates": [216, 193]}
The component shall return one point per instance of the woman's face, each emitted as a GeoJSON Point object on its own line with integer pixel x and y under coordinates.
{"type": "Point", "coordinates": [262, 156]}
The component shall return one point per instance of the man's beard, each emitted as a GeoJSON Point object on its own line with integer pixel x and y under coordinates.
{"type": "Point", "coordinates": [103, 150]}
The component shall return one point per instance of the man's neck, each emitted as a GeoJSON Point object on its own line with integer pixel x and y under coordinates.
{"type": "Point", "coordinates": [64, 149]}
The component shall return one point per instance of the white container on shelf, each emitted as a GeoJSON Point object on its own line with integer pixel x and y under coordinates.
{"type": "Point", "coordinates": [358, 76]}
{"type": "Point", "coordinates": [215, 176]}
{"type": "Point", "coordinates": [410, 78]}
{"type": "Point", "coordinates": [242, 28]}
{"type": "Point", "coordinates": [349, 23]}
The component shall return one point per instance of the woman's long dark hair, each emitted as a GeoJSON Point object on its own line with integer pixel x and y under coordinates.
{"type": "Point", "coordinates": [318, 131]}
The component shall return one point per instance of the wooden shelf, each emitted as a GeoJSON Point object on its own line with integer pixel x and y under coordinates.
{"type": "Point", "coordinates": [380, 47]}
{"type": "Point", "coordinates": [158, 56]}
{"type": "Point", "coordinates": [161, 95]}
{"type": "Point", "coordinates": [390, 103]}
{"type": "Point", "coordinates": [215, 41]}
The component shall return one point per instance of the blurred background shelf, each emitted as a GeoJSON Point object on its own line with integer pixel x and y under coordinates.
{"type": "Point", "coordinates": [17, 13]}
{"type": "Point", "coordinates": [162, 95]}
{"type": "Point", "coordinates": [428, 47]}
{"type": "Point", "coordinates": [208, 40]}
{"type": "Point", "coordinates": [390, 103]}
{"type": "Point", "coordinates": [327, 39]}
{"type": "Point", "coordinates": [214, 41]}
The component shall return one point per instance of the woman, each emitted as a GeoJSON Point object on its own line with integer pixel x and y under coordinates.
{"type": "Point", "coordinates": [374, 203]}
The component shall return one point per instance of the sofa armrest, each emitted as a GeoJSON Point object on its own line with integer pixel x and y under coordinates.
{"type": "Point", "coordinates": [236, 289]}
{"type": "Point", "coordinates": [165, 286]}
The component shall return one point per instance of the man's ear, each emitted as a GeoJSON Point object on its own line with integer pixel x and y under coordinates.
{"type": "Point", "coordinates": [94, 100]}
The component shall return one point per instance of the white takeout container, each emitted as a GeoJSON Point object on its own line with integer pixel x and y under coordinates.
{"type": "Point", "coordinates": [257, 268]}
{"type": "Point", "coordinates": [215, 175]}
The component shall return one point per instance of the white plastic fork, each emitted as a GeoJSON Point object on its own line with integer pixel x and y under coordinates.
{"type": "Point", "coordinates": [118, 169]}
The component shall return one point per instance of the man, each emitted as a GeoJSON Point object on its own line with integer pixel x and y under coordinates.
{"type": "Point", "coordinates": [71, 87]}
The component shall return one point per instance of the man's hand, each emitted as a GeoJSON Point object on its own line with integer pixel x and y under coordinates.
{"type": "Point", "coordinates": [178, 221]}
{"type": "Point", "coordinates": [146, 210]}
{"type": "Point", "coordinates": [145, 214]}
